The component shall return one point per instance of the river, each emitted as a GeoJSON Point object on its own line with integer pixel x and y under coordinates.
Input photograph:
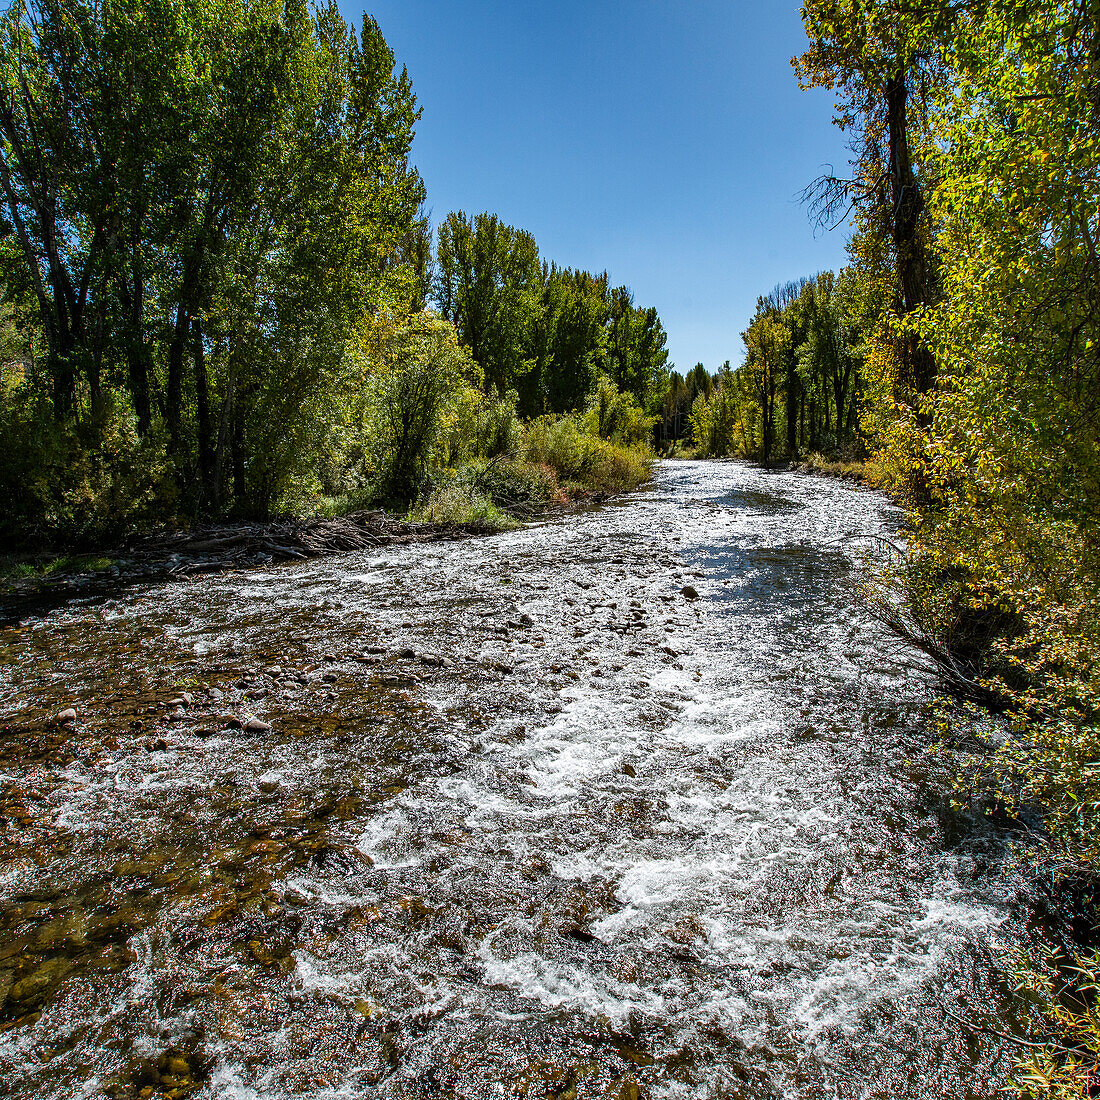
{"type": "Point", "coordinates": [630, 803]}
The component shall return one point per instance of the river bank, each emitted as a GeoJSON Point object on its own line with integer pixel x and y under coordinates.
{"type": "Point", "coordinates": [55, 579]}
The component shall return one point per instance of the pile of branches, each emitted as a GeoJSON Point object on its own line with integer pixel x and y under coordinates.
{"type": "Point", "coordinates": [206, 548]}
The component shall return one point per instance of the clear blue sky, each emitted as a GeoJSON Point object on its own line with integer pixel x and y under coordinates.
{"type": "Point", "coordinates": [664, 141]}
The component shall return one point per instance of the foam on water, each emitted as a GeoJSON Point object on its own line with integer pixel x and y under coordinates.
{"type": "Point", "coordinates": [674, 839]}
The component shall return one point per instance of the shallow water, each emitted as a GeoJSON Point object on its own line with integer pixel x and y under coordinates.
{"type": "Point", "coordinates": [530, 822]}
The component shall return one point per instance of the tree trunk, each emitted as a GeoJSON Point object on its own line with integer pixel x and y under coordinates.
{"type": "Point", "coordinates": [202, 412]}
{"type": "Point", "coordinates": [907, 214]}
{"type": "Point", "coordinates": [176, 350]}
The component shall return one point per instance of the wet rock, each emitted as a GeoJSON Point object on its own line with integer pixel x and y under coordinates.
{"type": "Point", "coordinates": [157, 744]}
{"type": "Point", "coordinates": [275, 671]}
{"type": "Point", "coordinates": [230, 722]}
{"type": "Point", "coordinates": [329, 677]}
{"type": "Point", "coordinates": [257, 725]}
{"type": "Point", "coordinates": [402, 680]}
{"type": "Point", "coordinates": [215, 693]}
{"type": "Point", "coordinates": [66, 717]}
{"type": "Point", "coordinates": [689, 593]}
{"type": "Point", "coordinates": [669, 650]}
{"type": "Point", "coordinates": [407, 654]}
{"type": "Point", "coordinates": [177, 715]}
{"type": "Point", "coordinates": [268, 786]}
{"type": "Point", "coordinates": [329, 658]}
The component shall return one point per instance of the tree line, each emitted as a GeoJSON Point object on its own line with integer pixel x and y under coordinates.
{"type": "Point", "coordinates": [801, 385]}
{"type": "Point", "coordinates": [212, 243]}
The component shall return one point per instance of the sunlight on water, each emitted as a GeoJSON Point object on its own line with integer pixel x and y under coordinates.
{"type": "Point", "coordinates": [629, 803]}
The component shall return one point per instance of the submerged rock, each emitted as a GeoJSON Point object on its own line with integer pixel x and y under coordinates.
{"type": "Point", "coordinates": [66, 717]}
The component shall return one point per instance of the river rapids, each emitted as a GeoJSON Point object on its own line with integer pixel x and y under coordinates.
{"type": "Point", "coordinates": [632, 803]}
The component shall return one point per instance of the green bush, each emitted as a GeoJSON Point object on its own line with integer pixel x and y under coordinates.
{"type": "Point", "coordinates": [418, 377]}
{"type": "Point", "coordinates": [460, 505]}
{"type": "Point", "coordinates": [582, 460]}
{"type": "Point", "coordinates": [611, 414]}
{"type": "Point", "coordinates": [517, 486]}
{"type": "Point", "coordinates": [77, 484]}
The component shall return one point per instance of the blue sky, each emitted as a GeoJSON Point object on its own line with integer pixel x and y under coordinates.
{"type": "Point", "coordinates": [665, 142]}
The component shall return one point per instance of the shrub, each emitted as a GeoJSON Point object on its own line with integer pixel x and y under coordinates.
{"type": "Point", "coordinates": [557, 443]}
{"type": "Point", "coordinates": [518, 486]}
{"type": "Point", "coordinates": [458, 504]}
{"type": "Point", "coordinates": [420, 372]}
{"type": "Point", "coordinates": [583, 460]}
{"type": "Point", "coordinates": [77, 483]}
{"type": "Point", "coordinates": [480, 425]}
{"type": "Point", "coordinates": [611, 414]}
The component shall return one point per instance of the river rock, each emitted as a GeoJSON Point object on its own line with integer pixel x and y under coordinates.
{"type": "Point", "coordinates": [407, 654]}
{"type": "Point", "coordinates": [689, 593]}
{"type": "Point", "coordinates": [230, 722]}
{"type": "Point", "coordinates": [257, 725]}
{"type": "Point", "coordinates": [66, 717]}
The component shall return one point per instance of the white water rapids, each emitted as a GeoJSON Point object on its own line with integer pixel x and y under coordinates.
{"type": "Point", "coordinates": [621, 842]}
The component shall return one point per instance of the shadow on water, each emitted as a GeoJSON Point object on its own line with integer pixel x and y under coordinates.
{"type": "Point", "coordinates": [795, 579]}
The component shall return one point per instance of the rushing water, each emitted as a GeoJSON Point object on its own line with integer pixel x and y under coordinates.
{"type": "Point", "coordinates": [531, 821]}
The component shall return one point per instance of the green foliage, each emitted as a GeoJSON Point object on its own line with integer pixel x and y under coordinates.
{"type": "Point", "coordinates": [546, 332]}
{"type": "Point", "coordinates": [1062, 1059]}
{"type": "Point", "coordinates": [615, 415]}
{"type": "Point", "coordinates": [582, 460]}
{"type": "Point", "coordinates": [521, 487]}
{"type": "Point", "coordinates": [89, 484]}
{"type": "Point", "coordinates": [231, 184]}
{"type": "Point", "coordinates": [457, 504]}
{"type": "Point", "coordinates": [480, 425]}
{"type": "Point", "coordinates": [799, 388]}
{"type": "Point", "coordinates": [215, 264]}
{"type": "Point", "coordinates": [488, 287]}
{"type": "Point", "coordinates": [715, 420]}
{"type": "Point", "coordinates": [974, 276]}
{"type": "Point", "coordinates": [419, 373]}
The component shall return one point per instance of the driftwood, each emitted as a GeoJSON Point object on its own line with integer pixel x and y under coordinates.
{"type": "Point", "coordinates": [205, 548]}
{"type": "Point", "coordinates": [216, 548]}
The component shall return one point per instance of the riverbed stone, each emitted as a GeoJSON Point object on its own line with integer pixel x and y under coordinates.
{"type": "Point", "coordinates": [257, 725]}
{"type": "Point", "coordinates": [689, 592]}
{"type": "Point", "coordinates": [66, 717]}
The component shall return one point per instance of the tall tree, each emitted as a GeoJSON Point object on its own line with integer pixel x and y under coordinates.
{"type": "Point", "coordinates": [488, 284]}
